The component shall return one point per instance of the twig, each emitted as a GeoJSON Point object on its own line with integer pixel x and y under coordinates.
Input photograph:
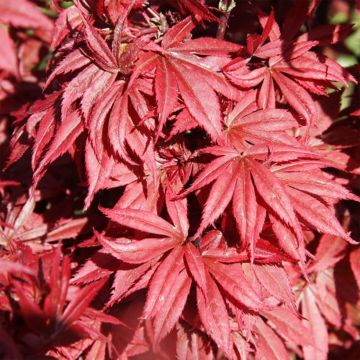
{"type": "Point", "coordinates": [226, 6]}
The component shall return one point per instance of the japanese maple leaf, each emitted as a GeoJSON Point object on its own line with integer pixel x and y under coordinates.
{"type": "Point", "coordinates": [228, 284]}
{"type": "Point", "coordinates": [313, 194]}
{"type": "Point", "coordinates": [215, 251]}
{"type": "Point", "coordinates": [24, 14]}
{"type": "Point", "coordinates": [320, 301]}
{"type": "Point", "coordinates": [246, 124]}
{"type": "Point", "coordinates": [191, 69]}
{"type": "Point", "coordinates": [311, 312]}
{"type": "Point", "coordinates": [330, 250]}
{"type": "Point", "coordinates": [23, 225]}
{"type": "Point", "coordinates": [99, 69]}
{"type": "Point", "coordinates": [290, 65]}
{"type": "Point", "coordinates": [290, 326]}
{"type": "Point", "coordinates": [239, 177]}
{"type": "Point", "coordinates": [50, 313]}
{"type": "Point", "coordinates": [170, 284]}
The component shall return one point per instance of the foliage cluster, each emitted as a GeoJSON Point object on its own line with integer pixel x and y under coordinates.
{"type": "Point", "coordinates": [179, 177]}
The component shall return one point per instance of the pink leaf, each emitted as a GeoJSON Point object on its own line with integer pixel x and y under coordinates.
{"type": "Point", "coordinates": [214, 315]}
{"type": "Point", "coordinates": [141, 220]}
{"type": "Point", "coordinates": [318, 327]}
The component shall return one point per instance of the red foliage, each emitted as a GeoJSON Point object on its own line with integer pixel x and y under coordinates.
{"type": "Point", "coordinates": [178, 179]}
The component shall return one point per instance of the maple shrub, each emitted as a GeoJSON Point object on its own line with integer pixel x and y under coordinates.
{"type": "Point", "coordinates": [178, 180]}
